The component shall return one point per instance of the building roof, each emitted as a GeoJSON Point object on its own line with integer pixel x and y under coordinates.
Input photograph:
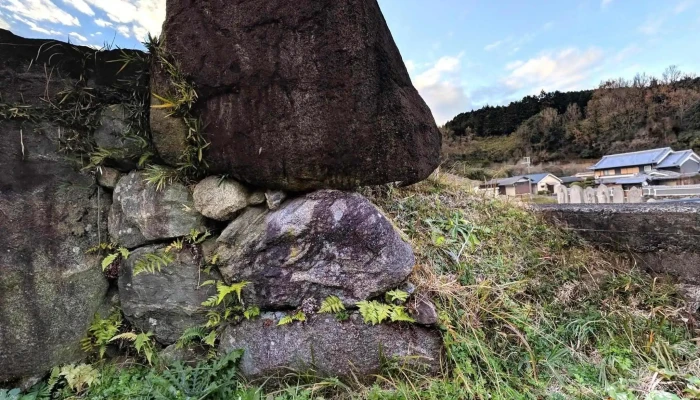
{"type": "Point", "coordinates": [677, 158]}
{"type": "Point", "coordinates": [513, 180]}
{"type": "Point", "coordinates": [536, 178]}
{"type": "Point", "coordinates": [646, 157]}
{"type": "Point", "coordinates": [627, 180]}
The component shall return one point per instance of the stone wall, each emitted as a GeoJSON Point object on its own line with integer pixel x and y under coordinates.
{"type": "Point", "coordinates": [100, 192]}
{"type": "Point", "coordinates": [663, 237]}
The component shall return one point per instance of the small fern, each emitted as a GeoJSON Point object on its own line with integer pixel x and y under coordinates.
{"type": "Point", "coordinates": [331, 305]}
{"type": "Point", "coordinates": [197, 237]}
{"type": "Point", "coordinates": [288, 319]}
{"type": "Point", "coordinates": [396, 296]}
{"type": "Point", "coordinates": [222, 291]}
{"type": "Point", "coordinates": [153, 262]}
{"type": "Point", "coordinates": [399, 314]}
{"type": "Point", "coordinates": [251, 312]}
{"type": "Point", "coordinates": [190, 335]}
{"type": "Point", "coordinates": [142, 343]}
{"type": "Point", "coordinates": [100, 333]}
{"type": "Point", "coordinates": [79, 377]}
{"type": "Point", "coordinates": [374, 312]}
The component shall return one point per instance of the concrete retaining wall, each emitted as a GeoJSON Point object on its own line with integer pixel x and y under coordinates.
{"type": "Point", "coordinates": [663, 237]}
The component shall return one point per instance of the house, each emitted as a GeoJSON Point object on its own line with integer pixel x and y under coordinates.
{"type": "Point", "coordinates": [625, 165]}
{"type": "Point", "coordinates": [522, 185]}
{"type": "Point", "coordinates": [544, 182]}
{"type": "Point", "coordinates": [568, 180]}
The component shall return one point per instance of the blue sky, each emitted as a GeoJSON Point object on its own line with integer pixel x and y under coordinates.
{"type": "Point", "coordinates": [462, 54]}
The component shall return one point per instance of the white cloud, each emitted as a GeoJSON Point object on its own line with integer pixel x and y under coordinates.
{"type": "Point", "coordinates": [565, 70]}
{"type": "Point", "coordinates": [103, 23]}
{"type": "Point", "coordinates": [652, 25]}
{"type": "Point", "coordinates": [36, 28]}
{"type": "Point", "coordinates": [493, 46]}
{"type": "Point", "coordinates": [605, 3]}
{"type": "Point", "coordinates": [410, 66]}
{"type": "Point", "coordinates": [39, 10]}
{"type": "Point", "coordinates": [139, 16]}
{"type": "Point", "coordinates": [683, 6]}
{"type": "Point", "coordinates": [4, 24]}
{"type": "Point", "coordinates": [442, 89]}
{"type": "Point", "coordinates": [81, 6]}
{"type": "Point", "coordinates": [124, 30]}
{"type": "Point", "coordinates": [78, 36]}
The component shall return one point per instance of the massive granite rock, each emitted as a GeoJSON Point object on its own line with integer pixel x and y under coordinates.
{"type": "Point", "coordinates": [300, 95]}
{"type": "Point", "coordinates": [325, 243]}
{"type": "Point", "coordinates": [350, 349]}
{"type": "Point", "coordinates": [169, 301]}
{"type": "Point", "coordinates": [50, 213]}
{"type": "Point", "coordinates": [141, 213]}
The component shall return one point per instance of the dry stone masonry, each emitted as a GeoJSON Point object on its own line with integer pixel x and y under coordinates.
{"type": "Point", "coordinates": [298, 101]}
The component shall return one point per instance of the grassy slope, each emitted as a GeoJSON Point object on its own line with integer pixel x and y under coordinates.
{"type": "Point", "coordinates": [526, 311]}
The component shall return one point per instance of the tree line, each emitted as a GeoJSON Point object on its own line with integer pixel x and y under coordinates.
{"type": "Point", "coordinates": [620, 115]}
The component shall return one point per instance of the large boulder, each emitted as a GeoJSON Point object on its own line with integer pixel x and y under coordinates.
{"type": "Point", "coordinates": [329, 104]}
{"type": "Point", "coordinates": [325, 243]}
{"type": "Point", "coordinates": [168, 301]}
{"type": "Point", "coordinates": [350, 349]}
{"type": "Point", "coordinates": [142, 213]}
{"type": "Point", "coordinates": [50, 289]}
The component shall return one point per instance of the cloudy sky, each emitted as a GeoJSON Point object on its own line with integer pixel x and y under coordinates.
{"type": "Point", "coordinates": [462, 54]}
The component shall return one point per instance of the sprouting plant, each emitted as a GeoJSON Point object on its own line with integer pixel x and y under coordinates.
{"type": "Point", "coordinates": [176, 245]}
{"type": "Point", "coordinates": [222, 291]}
{"type": "Point", "coordinates": [331, 305]}
{"type": "Point", "coordinates": [122, 252]}
{"type": "Point", "coordinates": [160, 176]}
{"type": "Point", "coordinates": [101, 332]}
{"type": "Point", "coordinates": [142, 343]}
{"type": "Point", "coordinates": [374, 312]}
{"type": "Point", "coordinates": [398, 313]}
{"type": "Point", "coordinates": [251, 312]}
{"type": "Point", "coordinates": [78, 377]}
{"type": "Point", "coordinates": [288, 319]}
{"type": "Point", "coordinates": [152, 262]}
{"type": "Point", "coordinates": [196, 237]}
{"type": "Point", "coordinates": [396, 296]}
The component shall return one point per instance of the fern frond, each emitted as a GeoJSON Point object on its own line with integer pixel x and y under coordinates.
{"type": "Point", "coordinates": [374, 312]}
{"type": "Point", "coordinates": [287, 319]}
{"type": "Point", "coordinates": [124, 252]}
{"type": "Point", "coordinates": [251, 312]}
{"type": "Point", "coordinates": [331, 304]}
{"type": "Point", "coordinates": [210, 339]}
{"type": "Point", "coordinates": [189, 335]}
{"type": "Point", "coordinates": [153, 262]}
{"type": "Point", "coordinates": [130, 336]}
{"type": "Point", "coordinates": [396, 295]}
{"type": "Point", "coordinates": [398, 313]}
{"type": "Point", "coordinates": [107, 261]}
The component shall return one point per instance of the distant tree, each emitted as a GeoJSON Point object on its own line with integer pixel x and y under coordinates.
{"type": "Point", "coordinates": [671, 74]}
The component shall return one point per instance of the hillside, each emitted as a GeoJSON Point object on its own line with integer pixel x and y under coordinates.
{"type": "Point", "coordinates": [620, 115]}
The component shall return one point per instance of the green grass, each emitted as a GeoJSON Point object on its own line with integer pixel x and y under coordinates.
{"type": "Point", "coordinates": [526, 312]}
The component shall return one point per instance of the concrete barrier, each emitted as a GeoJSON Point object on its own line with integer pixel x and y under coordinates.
{"type": "Point", "coordinates": [663, 237]}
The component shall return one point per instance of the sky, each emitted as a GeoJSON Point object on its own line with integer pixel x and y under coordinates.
{"type": "Point", "coordinates": [461, 54]}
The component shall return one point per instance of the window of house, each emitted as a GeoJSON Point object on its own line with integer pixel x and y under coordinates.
{"type": "Point", "coordinates": [630, 170]}
{"type": "Point", "coordinates": [647, 168]}
{"type": "Point", "coordinates": [609, 172]}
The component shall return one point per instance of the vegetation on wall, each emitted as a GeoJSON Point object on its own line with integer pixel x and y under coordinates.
{"type": "Point", "coordinates": [621, 115]}
{"type": "Point", "coordinates": [526, 312]}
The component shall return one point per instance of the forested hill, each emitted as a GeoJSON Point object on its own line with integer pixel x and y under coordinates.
{"type": "Point", "coordinates": [620, 115]}
{"type": "Point", "coordinates": [503, 120]}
